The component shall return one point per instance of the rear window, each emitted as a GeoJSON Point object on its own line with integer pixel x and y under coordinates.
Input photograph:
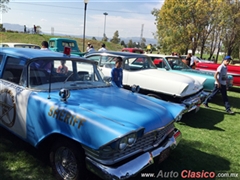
{"type": "Point", "coordinates": [68, 44]}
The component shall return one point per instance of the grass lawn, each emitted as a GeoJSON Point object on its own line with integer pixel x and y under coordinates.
{"type": "Point", "coordinates": [210, 142]}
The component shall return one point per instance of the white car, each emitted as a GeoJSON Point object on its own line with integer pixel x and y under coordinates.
{"type": "Point", "coordinates": [138, 69]}
{"type": "Point", "coordinates": [20, 45]}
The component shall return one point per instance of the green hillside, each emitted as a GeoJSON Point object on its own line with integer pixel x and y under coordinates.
{"type": "Point", "coordinates": [38, 38]}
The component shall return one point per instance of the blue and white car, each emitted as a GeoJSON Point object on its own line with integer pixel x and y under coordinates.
{"type": "Point", "coordinates": [79, 120]}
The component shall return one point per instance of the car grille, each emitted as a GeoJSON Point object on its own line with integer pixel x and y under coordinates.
{"type": "Point", "coordinates": [147, 142]}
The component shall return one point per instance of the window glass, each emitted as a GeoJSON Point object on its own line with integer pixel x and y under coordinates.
{"type": "Point", "coordinates": [68, 44]}
{"type": "Point", "coordinates": [176, 63]}
{"type": "Point", "coordinates": [51, 44]}
{"type": "Point", "coordinates": [13, 69]}
{"type": "Point", "coordinates": [63, 73]}
{"type": "Point", "coordinates": [26, 46]}
{"type": "Point", "coordinates": [4, 45]}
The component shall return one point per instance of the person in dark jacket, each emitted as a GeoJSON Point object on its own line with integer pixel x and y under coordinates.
{"type": "Point", "coordinates": [117, 72]}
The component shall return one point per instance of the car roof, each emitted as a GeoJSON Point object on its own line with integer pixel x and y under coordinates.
{"type": "Point", "coordinates": [117, 53]}
{"type": "Point", "coordinates": [33, 53]}
{"type": "Point", "coordinates": [63, 39]}
{"type": "Point", "coordinates": [161, 55]}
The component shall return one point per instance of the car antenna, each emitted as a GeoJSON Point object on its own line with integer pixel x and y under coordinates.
{"type": "Point", "coordinates": [50, 80]}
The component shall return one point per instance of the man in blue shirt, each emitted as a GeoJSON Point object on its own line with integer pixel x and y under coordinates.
{"type": "Point", "coordinates": [117, 72]}
{"type": "Point", "coordinates": [220, 85]}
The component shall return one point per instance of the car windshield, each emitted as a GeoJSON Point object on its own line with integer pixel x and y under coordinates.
{"type": "Point", "coordinates": [176, 63]}
{"type": "Point", "coordinates": [63, 73]}
{"type": "Point", "coordinates": [133, 63]}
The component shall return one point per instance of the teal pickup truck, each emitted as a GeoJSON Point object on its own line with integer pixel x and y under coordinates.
{"type": "Point", "coordinates": [58, 44]}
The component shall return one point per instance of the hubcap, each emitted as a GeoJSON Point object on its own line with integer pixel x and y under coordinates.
{"type": "Point", "coordinates": [66, 163]}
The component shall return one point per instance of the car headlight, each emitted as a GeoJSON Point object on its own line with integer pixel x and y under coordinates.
{"type": "Point", "coordinates": [131, 139]}
{"type": "Point", "coordinates": [122, 143]}
{"type": "Point", "coordinates": [128, 140]}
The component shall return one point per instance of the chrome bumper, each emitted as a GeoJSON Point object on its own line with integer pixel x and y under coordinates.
{"type": "Point", "coordinates": [194, 102]}
{"type": "Point", "coordinates": [134, 166]}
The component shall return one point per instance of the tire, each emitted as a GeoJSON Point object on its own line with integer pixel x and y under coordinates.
{"type": "Point", "coordinates": [68, 161]}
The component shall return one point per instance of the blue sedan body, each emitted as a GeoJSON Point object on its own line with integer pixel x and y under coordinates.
{"type": "Point", "coordinates": [89, 111]}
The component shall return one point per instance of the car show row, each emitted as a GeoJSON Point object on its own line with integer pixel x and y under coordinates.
{"type": "Point", "coordinates": [67, 106]}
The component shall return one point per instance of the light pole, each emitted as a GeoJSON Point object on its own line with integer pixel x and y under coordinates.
{"type": "Point", "coordinates": [105, 14]}
{"type": "Point", "coordinates": [84, 26]}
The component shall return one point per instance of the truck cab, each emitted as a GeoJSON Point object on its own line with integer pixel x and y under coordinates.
{"type": "Point", "coordinates": [58, 44]}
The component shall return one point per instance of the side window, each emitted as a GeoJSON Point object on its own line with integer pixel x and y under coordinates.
{"type": "Point", "coordinates": [13, 69]}
{"type": "Point", "coordinates": [51, 44]}
{"type": "Point", "coordinates": [159, 62]}
{"type": "Point", "coordinates": [108, 61]}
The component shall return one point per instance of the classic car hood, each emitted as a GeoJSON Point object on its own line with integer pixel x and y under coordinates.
{"type": "Point", "coordinates": [166, 82]}
{"type": "Point", "coordinates": [108, 113]}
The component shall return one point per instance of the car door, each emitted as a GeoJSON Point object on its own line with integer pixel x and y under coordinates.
{"type": "Point", "coordinates": [13, 97]}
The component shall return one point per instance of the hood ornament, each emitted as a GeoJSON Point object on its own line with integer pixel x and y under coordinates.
{"type": "Point", "coordinates": [64, 94]}
{"type": "Point", "coordinates": [135, 88]}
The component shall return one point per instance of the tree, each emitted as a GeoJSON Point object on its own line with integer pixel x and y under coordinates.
{"type": "Point", "coordinates": [231, 25]}
{"type": "Point", "coordinates": [93, 38]}
{"type": "Point", "coordinates": [130, 44]}
{"type": "Point", "coordinates": [2, 29]}
{"type": "Point", "coordinates": [4, 8]}
{"type": "Point", "coordinates": [185, 24]}
{"type": "Point", "coordinates": [115, 38]}
{"type": "Point", "coordinates": [105, 39]}
{"type": "Point", "coordinates": [123, 43]}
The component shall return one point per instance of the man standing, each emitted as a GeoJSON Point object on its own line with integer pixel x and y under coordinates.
{"type": "Point", "coordinates": [91, 49]}
{"type": "Point", "coordinates": [88, 46]}
{"type": "Point", "coordinates": [45, 46]}
{"type": "Point", "coordinates": [25, 29]}
{"type": "Point", "coordinates": [103, 48]}
{"type": "Point", "coordinates": [220, 85]}
{"type": "Point", "coordinates": [117, 72]}
{"type": "Point", "coordinates": [35, 29]}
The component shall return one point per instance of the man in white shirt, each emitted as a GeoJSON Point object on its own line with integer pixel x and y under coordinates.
{"type": "Point", "coordinates": [103, 48]}
{"type": "Point", "coordinates": [91, 49]}
{"type": "Point", "coordinates": [193, 60]}
{"type": "Point", "coordinates": [45, 46]}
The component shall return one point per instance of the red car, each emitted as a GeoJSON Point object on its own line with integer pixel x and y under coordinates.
{"type": "Point", "coordinates": [133, 50]}
{"type": "Point", "coordinates": [233, 70]}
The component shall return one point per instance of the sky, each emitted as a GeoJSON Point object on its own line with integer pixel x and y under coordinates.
{"type": "Point", "coordinates": [67, 16]}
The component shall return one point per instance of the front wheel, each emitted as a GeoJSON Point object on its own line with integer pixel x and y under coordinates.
{"type": "Point", "coordinates": [67, 161]}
